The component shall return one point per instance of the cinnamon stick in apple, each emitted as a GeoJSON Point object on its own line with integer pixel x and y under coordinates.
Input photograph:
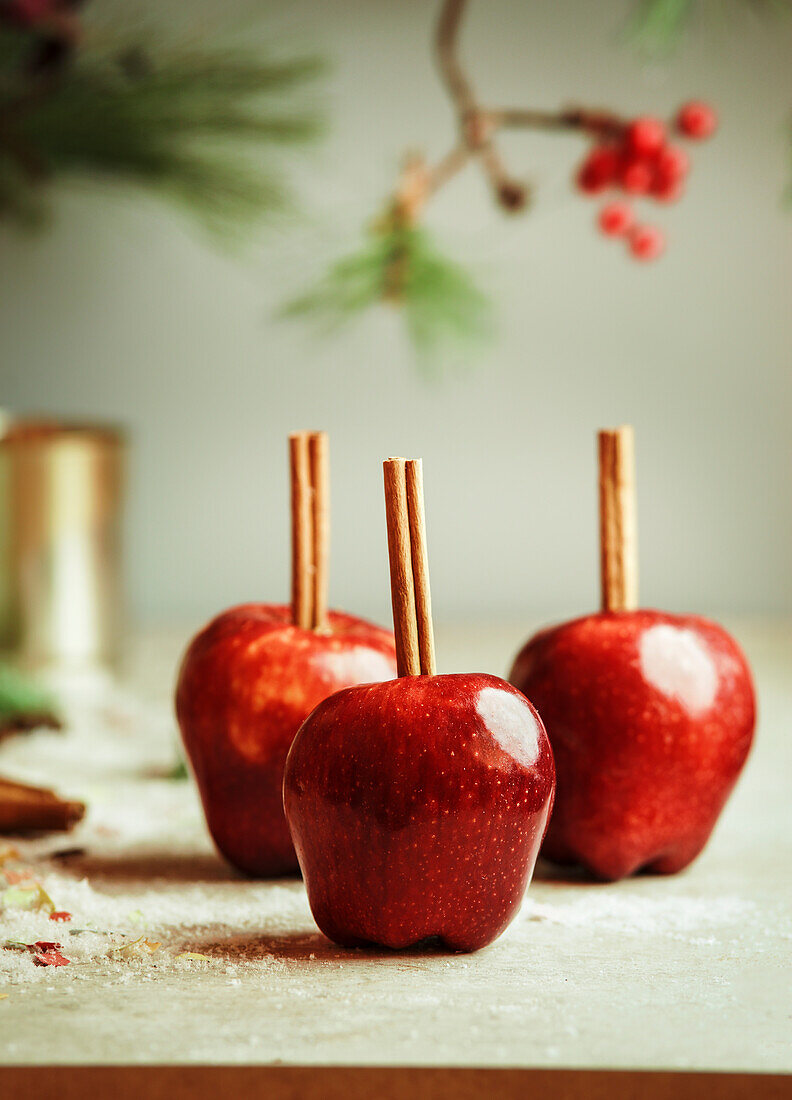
{"type": "Point", "coordinates": [320, 500]}
{"type": "Point", "coordinates": [618, 523]}
{"type": "Point", "coordinates": [301, 530]}
{"type": "Point", "coordinates": [310, 528]}
{"type": "Point", "coordinates": [405, 622]}
{"type": "Point", "coordinates": [25, 809]}
{"type": "Point", "coordinates": [420, 565]}
{"type": "Point", "coordinates": [412, 612]}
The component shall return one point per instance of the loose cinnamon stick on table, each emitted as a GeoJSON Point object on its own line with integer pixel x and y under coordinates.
{"type": "Point", "coordinates": [412, 612]}
{"type": "Point", "coordinates": [26, 809]}
{"type": "Point", "coordinates": [618, 525]}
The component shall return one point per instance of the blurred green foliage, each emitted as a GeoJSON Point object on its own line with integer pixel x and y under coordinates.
{"type": "Point", "coordinates": [656, 26]}
{"type": "Point", "coordinates": [22, 701]}
{"type": "Point", "coordinates": [401, 265]}
{"type": "Point", "coordinates": [198, 127]}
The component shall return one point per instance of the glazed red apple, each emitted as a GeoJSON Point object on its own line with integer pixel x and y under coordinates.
{"type": "Point", "coordinates": [651, 718]}
{"type": "Point", "coordinates": [255, 672]}
{"type": "Point", "coordinates": [417, 807]}
{"type": "Point", "coordinates": [650, 715]}
{"type": "Point", "coordinates": [247, 682]}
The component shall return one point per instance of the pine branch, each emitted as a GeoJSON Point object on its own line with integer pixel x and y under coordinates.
{"type": "Point", "coordinates": [201, 128]}
{"type": "Point", "coordinates": [400, 265]}
{"type": "Point", "coordinates": [443, 306]}
{"type": "Point", "coordinates": [657, 26]}
{"type": "Point", "coordinates": [18, 201]}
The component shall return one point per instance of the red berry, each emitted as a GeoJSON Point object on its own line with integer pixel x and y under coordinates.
{"type": "Point", "coordinates": [588, 181]}
{"type": "Point", "coordinates": [668, 190]}
{"type": "Point", "coordinates": [616, 218]}
{"type": "Point", "coordinates": [637, 176]}
{"type": "Point", "coordinates": [697, 120]}
{"type": "Point", "coordinates": [598, 169]}
{"type": "Point", "coordinates": [646, 242]}
{"type": "Point", "coordinates": [671, 167]}
{"type": "Point", "coordinates": [646, 136]}
{"type": "Point", "coordinates": [672, 164]}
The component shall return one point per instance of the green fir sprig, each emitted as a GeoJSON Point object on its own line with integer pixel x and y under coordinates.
{"type": "Point", "coordinates": [656, 26]}
{"type": "Point", "coordinates": [400, 265]}
{"type": "Point", "coordinates": [199, 127]}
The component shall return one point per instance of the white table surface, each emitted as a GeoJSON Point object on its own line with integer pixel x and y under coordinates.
{"type": "Point", "coordinates": [689, 972]}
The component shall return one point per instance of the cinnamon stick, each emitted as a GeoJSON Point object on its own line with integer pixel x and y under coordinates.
{"type": "Point", "coordinates": [301, 530]}
{"type": "Point", "coordinates": [420, 566]}
{"type": "Point", "coordinates": [25, 809]}
{"type": "Point", "coordinates": [405, 623]}
{"type": "Point", "coordinates": [320, 497]}
{"type": "Point", "coordinates": [618, 523]}
{"type": "Point", "coordinates": [310, 528]}
{"type": "Point", "coordinates": [412, 605]}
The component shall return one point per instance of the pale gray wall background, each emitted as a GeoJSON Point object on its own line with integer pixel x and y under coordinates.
{"type": "Point", "coordinates": [122, 313]}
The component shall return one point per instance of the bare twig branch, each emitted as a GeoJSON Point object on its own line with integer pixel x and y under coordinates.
{"type": "Point", "coordinates": [413, 189]}
{"type": "Point", "coordinates": [601, 123]}
{"type": "Point", "coordinates": [478, 126]}
{"type": "Point", "coordinates": [446, 37]}
{"type": "Point", "coordinates": [475, 125]}
{"type": "Point", "coordinates": [418, 182]}
{"type": "Point", "coordinates": [445, 169]}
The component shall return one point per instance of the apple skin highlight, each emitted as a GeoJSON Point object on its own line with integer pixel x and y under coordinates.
{"type": "Point", "coordinates": [247, 682]}
{"type": "Point", "coordinates": [417, 809]}
{"type": "Point", "coordinates": [651, 718]}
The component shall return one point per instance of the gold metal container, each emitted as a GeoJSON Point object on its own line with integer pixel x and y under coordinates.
{"type": "Point", "coordinates": [61, 496]}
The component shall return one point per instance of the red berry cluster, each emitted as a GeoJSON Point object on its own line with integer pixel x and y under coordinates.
{"type": "Point", "coordinates": [639, 160]}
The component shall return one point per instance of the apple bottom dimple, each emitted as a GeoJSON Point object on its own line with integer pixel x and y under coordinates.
{"type": "Point", "coordinates": [615, 844]}
{"type": "Point", "coordinates": [448, 879]}
{"type": "Point", "coordinates": [639, 816]}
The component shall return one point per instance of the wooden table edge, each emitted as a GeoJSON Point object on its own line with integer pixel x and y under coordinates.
{"type": "Point", "coordinates": [381, 1083]}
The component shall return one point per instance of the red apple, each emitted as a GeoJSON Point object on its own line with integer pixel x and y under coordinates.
{"type": "Point", "coordinates": [417, 809]}
{"type": "Point", "coordinates": [651, 717]}
{"type": "Point", "coordinates": [247, 682]}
